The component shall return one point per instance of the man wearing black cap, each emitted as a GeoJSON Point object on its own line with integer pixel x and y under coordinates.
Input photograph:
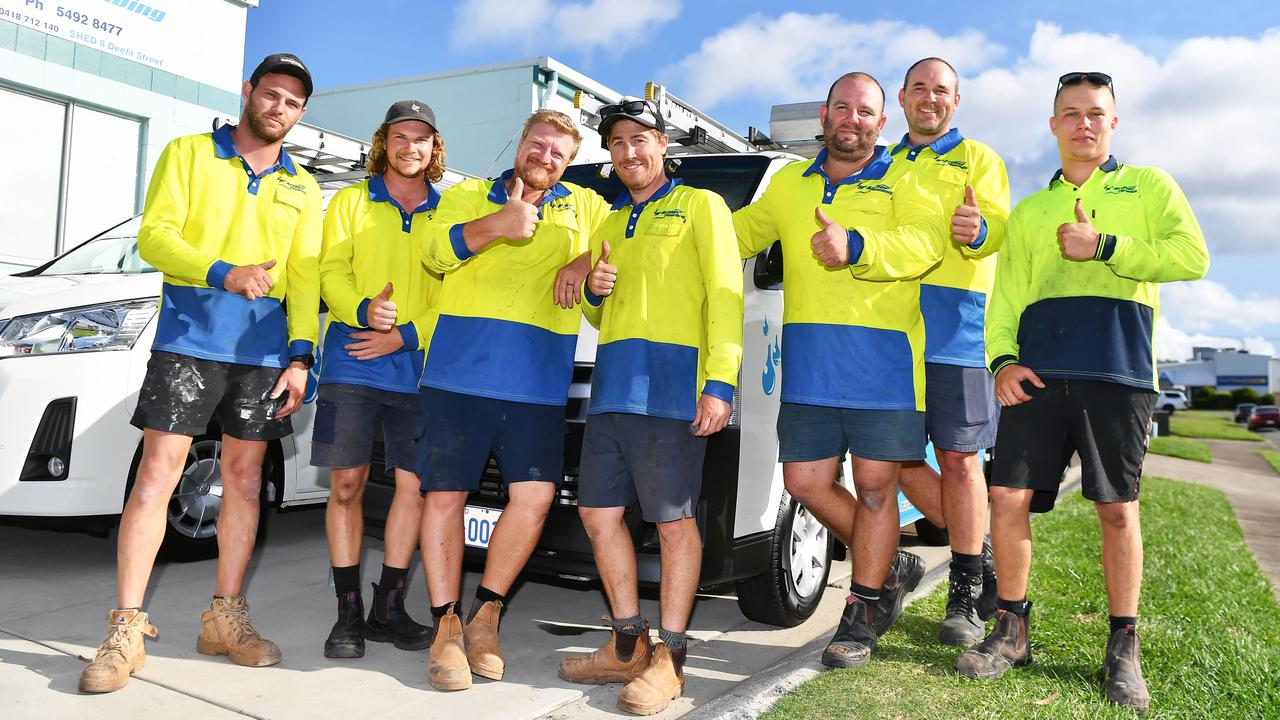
{"type": "Point", "coordinates": [380, 322]}
{"type": "Point", "coordinates": [235, 227]}
{"type": "Point", "coordinates": [666, 365]}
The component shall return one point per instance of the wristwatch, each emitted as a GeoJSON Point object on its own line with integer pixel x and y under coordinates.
{"type": "Point", "coordinates": [308, 361]}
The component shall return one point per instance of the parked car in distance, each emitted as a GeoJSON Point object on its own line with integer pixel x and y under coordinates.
{"type": "Point", "coordinates": [1243, 411]}
{"type": "Point", "coordinates": [1264, 416]}
{"type": "Point", "coordinates": [1171, 400]}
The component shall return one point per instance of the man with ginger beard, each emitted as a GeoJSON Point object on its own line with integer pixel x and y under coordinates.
{"type": "Point", "coordinates": [853, 239]}
{"type": "Point", "coordinates": [666, 294]}
{"type": "Point", "coordinates": [380, 321]}
{"type": "Point", "coordinates": [497, 377]}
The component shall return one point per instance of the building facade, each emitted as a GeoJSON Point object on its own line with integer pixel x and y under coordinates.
{"type": "Point", "coordinates": [1225, 370]}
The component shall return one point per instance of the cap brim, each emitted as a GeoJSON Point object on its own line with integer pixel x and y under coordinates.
{"type": "Point", "coordinates": [402, 118]}
{"type": "Point", "coordinates": [293, 71]}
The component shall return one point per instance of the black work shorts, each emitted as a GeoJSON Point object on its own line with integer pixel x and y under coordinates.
{"type": "Point", "coordinates": [656, 462]}
{"type": "Point", "coordinates": [181, 394]}
{"type": "Point", "coordinates": [348, 416]}
{"type": "Point", "coordinates": [1106, 423]}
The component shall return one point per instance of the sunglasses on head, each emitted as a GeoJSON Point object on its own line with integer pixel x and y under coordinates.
{"type": "Point", "coordinates": [1093, 78]}
{"type": "Point", "coordinates": [634, 108]}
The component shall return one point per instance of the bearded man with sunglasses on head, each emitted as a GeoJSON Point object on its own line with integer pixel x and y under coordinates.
{"type": "Point", "coordinates": [1070, 335]}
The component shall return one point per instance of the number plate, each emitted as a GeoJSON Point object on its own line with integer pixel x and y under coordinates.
{"type": "Point", "coordinates": [478, 524]}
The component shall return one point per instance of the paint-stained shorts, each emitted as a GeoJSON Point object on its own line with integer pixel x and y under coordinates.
{"type": "Point", "coordinates": [182, 394]}
{"type": "Point", "coordinates": [656, 462]}
{"type": "Point", "coordinates": [347, 418]}
{"type": "Point", "coordinates": [459, 432]}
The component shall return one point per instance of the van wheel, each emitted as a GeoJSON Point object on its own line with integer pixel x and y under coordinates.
{"type": "Point", "coordinates": [931, 534]}
{"type": "Point", "coordinates": [1168, 409]}
{"type": "Point", "coordinates": [788, 591]}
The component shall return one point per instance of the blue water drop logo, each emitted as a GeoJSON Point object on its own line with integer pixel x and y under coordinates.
{"type": "Point", "coordinates": [772, 360]}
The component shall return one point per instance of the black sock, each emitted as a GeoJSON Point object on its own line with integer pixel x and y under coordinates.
{"type": "Point", "coordinates": [870, 595]}
{"type": "Point", "coordinates": [1021, 608]}
{"type": "Point", "coordinates": [392, 578]}
{"type": "Point", "coordinates": [484, 595]}
{"type": "Point", "coordinates": [1119, 623]}
{"type": "Point", "coordinates": [967, 564]}
{"type": "Point", "coordinates": [439, 611]}
{"type": "Point", "coordinates": [627, 633]}
{"type": "Point", "coordinates": [346, 579]}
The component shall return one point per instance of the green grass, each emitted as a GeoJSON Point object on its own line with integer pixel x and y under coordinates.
{"type": "Point", "coordinates": [1180, 448]}
{"type": "Point", "coordinates": [1209, 424]}
{"type": "Point", "coordinates": [1272, 457]}
{"type": "Point", "coordinates": [1209, 622]}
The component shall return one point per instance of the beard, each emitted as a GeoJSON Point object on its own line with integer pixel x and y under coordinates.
{"type": "Point", "coordinates": [536, 177]}
{"type": "Point", "coordinates": [258, 126]}
{"type": "Point", "coordinates": [395, 168]}
{"type": "Point", "coordinates": [861, 146]}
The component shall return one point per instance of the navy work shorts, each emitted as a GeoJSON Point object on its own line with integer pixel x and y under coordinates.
{"type": "Point", "coordinates": [814, 432]}
{"type": "Point", "coordinates": [656, 462]}
{"type": "Point", "coordinates": [347, 418]}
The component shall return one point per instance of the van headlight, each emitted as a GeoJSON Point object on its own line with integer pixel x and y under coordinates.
{"type": "Point", "coordinates": [109, 326]}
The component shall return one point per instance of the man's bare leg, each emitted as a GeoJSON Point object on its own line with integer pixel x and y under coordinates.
{"type": "Point", "coordinates": [164, 454]}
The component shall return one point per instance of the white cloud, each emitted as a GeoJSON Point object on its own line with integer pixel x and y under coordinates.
{"type": "Point", "coordinates": [527, 25]}
{"type": "Point", "coordinates": [1175, 344]}
{"type": "Point", "coordinates": [1205, 305]}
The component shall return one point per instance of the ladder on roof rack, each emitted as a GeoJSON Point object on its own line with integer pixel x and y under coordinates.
{"type": "Point", "coordinates": [322, 152]}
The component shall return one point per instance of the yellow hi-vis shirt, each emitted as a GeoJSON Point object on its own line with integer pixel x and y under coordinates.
{"type": "Point", "coordinates": [498, 332]}
{"type": "Point", "coordinates": [369, 240]}
{"type": "Point", "coordinates": [672, 327]}
{"type": "Point", "coordinates": [851, 337]}
{"type": "Point", "coordinates": [953, 295]}
{"type": "Point", "coordinates": [1096, 319]}
{"type": "Point", "coordinates": [207, 212]}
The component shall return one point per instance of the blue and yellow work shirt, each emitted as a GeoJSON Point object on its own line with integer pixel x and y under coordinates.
{"type": "Point", "coordinates": [953, 295]}
{"type": "Point", "coordinates": [1093, 319]}
{"type": "Point", "coordinates": [206, 213]}
{"type": "Point", "coordinates": [369, 241]}
{"type": "Point", "coordinates": [672, 327]}
{"type": "Point", "coordinates": [851, 337]}
{"type": "Point", "coordinates": [498, 332]}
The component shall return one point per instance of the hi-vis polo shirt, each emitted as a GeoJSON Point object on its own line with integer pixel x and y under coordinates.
{"type": "Point", "coordinates": [1096, 319]}
{"type": "Point", "coordinates": [369, 241]}
{"type": "Point", "coordinates": [672, 327]}
{"type": "Point", "coordinates": [206, 212]}
{"type": "Point", "coordinates": [953, 295]}
{"type": "Point", "coordinates": [851, 337]}
{"type": "Point", "coordinates": [499, 333]}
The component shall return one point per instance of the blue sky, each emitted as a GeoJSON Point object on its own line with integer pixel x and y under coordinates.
{"type": "Point", "coordinates": [1188, 75]}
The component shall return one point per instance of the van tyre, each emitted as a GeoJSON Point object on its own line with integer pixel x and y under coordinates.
{"type": "Point", "coordinates": [789, 590]}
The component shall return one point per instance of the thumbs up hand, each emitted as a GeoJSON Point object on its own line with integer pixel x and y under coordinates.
{"type": "Point", "coordinates": [966, 221]}
{"type": "Point", "coordinates": [1078, 240]}
{"type": "Point", "coordinates": [382, 311]}
{"type": "Point", "coordinates": [250, 281]}
{"type": "Point", "coordinates": [518, 219]}
{"type": "Point", "coordinates": [603, 275]}
{"type": "Point", "coordinates": [831, 243]}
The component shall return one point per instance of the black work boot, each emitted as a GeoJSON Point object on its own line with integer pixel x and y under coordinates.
{"type": "Point", "coordinates": [389, 622]}
{"type": "Point", "coordinates": [1008, 646]}
{"type": "Point", "coordinates": [346, 639]}
{"type": "Point", "coordinates": [962, 626]}
{"type": "Point", "coordinates": [987, 600]}
{"type": "Point", "coordinates": [1122, 673]}
{"type": "Point", "coordinates": [855, 638]}
{"type": "Point", "coordinates": [904, 576]}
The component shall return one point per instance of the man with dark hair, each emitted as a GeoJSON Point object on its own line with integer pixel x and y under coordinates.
{"type": "Point", "coordinates": [234, 226]}
{"type": "Point", "coordinates": [1070, 333]}
{"type": "Point", "coordinates": [960, 408]}
{"type": "Point", "coordinates": [854, 343]}
{"type": "Point", "coordinates": [497, 378]}
{"type": "Point", "coordinates": [380, 320]}
{"type": "Point", "coordinates": [666, 367]}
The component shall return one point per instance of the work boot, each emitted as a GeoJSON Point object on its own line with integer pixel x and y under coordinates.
{"type": "Point", "coordinates": [904, 576]}
{"type": "Point", "coordinates": [389, 622]}
{"type": "Point", "coordinates": [606, 665]}
{"type": "Point", "coordinates": [120, 655]}
{"type": "Point", "coordinates": [855, 638]}
{"type": "Point", "coordinates": [1122, 673]}
{"type": "Point", "coordinates": [447, 667]}
{"type": "Point", "coordinates": [962, 626]}
{"type": "Point", "coordinates": [1008, 646]}
{"type": "Point", "coordinates": [484, 652]}
{"type": "Point", "coordinates": [659, 684]}
{"type": "Point", "coordinates": [346, 639]}
{"type": "Point", "coordinates": [226, 629]}
{"type": "Point", "coordinates": [987, 600]}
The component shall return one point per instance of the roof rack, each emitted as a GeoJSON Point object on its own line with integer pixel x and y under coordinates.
{"type": "Point", "coordinates": [322, 152]}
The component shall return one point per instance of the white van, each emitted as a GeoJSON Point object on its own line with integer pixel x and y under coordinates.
{"type": "Point", "coordinates": [1171, 400]}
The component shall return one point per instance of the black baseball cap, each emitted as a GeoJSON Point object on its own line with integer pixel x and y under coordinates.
{"type": "Point", "coordinates": [286, 64]}
{"type": "Point", "coordinates": [410, 110]}
{"type": "Point", "coordinates": [636, 110]}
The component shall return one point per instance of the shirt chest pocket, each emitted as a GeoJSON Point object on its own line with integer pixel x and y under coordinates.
{"type": "Point", "coordinates": [662, 240]}
{"type": "Point", "coordinates": [950, 186]}
{"type": "Point", "coordinates": [286, 210]}
{"type": "Point", "coordinates": [1119, 216]}
{"type": "Point", "coordinates": [555, 242]}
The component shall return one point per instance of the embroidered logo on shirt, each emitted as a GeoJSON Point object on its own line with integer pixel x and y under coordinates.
{"type": "Point", "coordinates": [878, 187]}
{"type": "Point", "coordinates": [677, 213]}
{"type": "Point", "coordinates": [292, 186]}
{"type": "Point", "coordinates": [1120, 189]}
{"type": "Point", "coordinates": [953, 163]}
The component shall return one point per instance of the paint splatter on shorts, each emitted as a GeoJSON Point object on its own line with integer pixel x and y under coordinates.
{"type": "Point", "coordinates": [182, 394]}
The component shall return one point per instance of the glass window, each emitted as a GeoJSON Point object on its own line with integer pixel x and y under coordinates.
{"type": "Point", "coordinates": [102, 175]}
{"type": "Point", "coordinates": [32, 131]}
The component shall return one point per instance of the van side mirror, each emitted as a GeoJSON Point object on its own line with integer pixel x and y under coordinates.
{"type": "Point", "coordinates": [768, 268]}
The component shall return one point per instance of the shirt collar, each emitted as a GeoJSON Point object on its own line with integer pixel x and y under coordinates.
{"type": "Point", "coordinates": [225, 148]}
{"type": "Point", "coordinates": [874, 170]}
{"type": "Point", "coordinates": [624, 198]}
{"type": "Point", "coordinates": [498, 193]}
{"type": "Point", "coordinates": [941, 146]}
{"type": "Point", "coordinates": [378, 193]}
{"type": "Point", "coordinates": [1111, 165]}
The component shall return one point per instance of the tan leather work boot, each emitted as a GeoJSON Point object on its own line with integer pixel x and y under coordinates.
{"type": "Point", "coordinates": [447, 667]}
{"type": "Point", "coordinates": [484, 652]}
{"type": "Point", "coordinates": [605, 666]}
{"type": "Point", "coordinates": [227, 630]}
{"type": "Point", "coordinates": [658, 685]}
{"type": "Point", "coordinates": [120, 655]}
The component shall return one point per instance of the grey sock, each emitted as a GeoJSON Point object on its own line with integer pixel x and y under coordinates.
{"type": "Point", "coordinates": [672, 639]}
